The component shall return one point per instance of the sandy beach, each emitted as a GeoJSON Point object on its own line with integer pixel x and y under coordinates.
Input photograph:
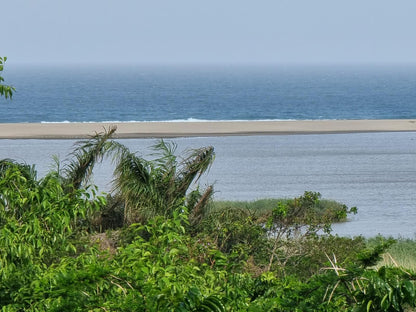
{"type": "Point", "coordinates": [200, 129]}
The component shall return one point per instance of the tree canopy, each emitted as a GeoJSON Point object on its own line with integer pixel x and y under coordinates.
{"type": "Point", "coordinates": [5, 90]}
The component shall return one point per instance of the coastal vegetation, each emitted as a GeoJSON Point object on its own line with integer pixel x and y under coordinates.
{"type": "Point", "coordinates": [5, 90]}
{"type": "Point", "coordinates": [158, 242]}
{"type": "Point", "coordinates": [155, 244]}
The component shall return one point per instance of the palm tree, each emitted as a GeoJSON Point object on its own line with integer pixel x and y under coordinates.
{"type": "Point", "coordinates": [157, 187]}
{"type": "Point", "coordinates": [144, 187]}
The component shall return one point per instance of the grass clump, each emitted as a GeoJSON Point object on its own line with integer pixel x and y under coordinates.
{"type": "Point", "coordinates": [402, 253]}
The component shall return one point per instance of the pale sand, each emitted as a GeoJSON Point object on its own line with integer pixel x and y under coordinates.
{"type": "Point", "coordinates": [188, 129]}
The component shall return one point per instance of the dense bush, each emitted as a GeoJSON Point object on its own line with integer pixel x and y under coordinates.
{"type": "Point", "coordinates": [38, 226]}
{"type": "Point", "coordinates": [52, 256]}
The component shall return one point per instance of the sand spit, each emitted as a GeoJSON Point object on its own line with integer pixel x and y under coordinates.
{"type": "Point", "coordinates": [200, 129]}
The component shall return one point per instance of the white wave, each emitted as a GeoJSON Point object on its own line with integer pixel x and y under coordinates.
{"type": "Point", "coordinates": [177, 120]}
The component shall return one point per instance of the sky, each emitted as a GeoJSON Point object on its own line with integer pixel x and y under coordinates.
{"type": "Point", "coordinates": [208, 32]}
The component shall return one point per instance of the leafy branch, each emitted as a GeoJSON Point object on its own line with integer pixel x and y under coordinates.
{"type": "Point", "coordinates": [5, 90]}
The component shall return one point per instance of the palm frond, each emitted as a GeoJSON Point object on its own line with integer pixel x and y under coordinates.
{"type": "Point", "coordinates": [198, 211]}
{"type": "Point", "coordinates": [193, 167]}
{"type": "Point", "coordinates": [135, 185]}
{"type": "Point", "coordinates": [86, 154]}
{"type": "Point", "coordinates": [166, 160]}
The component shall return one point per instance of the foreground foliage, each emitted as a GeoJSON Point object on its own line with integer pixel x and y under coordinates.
{"type": "Point", "coordinates": [284, 259]}
{"type": "Point", "coordinates": [5, 90]}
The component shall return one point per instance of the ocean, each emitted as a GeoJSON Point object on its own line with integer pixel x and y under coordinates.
{"type": "Point", "coordinates": [140, 93]}
{"type": "Point", "coordinates": [374, 171]}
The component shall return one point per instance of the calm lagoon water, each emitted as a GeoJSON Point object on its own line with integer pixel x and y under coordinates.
{"type": "Point", "coordinates": [376, 172]}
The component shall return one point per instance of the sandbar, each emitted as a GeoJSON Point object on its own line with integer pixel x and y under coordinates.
{"type": "Point", "coordinates": [200, 129]}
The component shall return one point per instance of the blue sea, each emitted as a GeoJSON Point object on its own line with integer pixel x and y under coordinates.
{"type": "Point", "coordinates": [374, 171]}
{"type": "Point", "coordinates": [146, 93]}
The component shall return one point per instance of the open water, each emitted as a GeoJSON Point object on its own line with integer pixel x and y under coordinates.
{"type": "Point", "coordinates": [139, 93]}
{"type": "Point", "coordinates": [374, 171]}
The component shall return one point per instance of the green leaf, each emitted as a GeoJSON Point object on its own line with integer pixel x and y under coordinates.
{"type": "Point", "coordinates": [409, 288]}
{"type": "Point", "coordinates": [212, 304]}
{"type": "Point", "coordinates": [370, 302]}
{"type": "Point", "coordinates": [384, 302]}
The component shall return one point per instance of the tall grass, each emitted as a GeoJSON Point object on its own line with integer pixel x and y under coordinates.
{"type": "Point", "coordinates": [401, 254]}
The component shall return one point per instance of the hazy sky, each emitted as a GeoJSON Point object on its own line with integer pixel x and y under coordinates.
{"type": "Point", "coordinates": [214, 31]}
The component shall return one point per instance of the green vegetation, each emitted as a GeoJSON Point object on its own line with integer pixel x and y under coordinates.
{"type": "Point", "coordinates": [154, 244]}
{"type": "Point", "coordinates": [401, 254]}
{"type": "Point", "coordinates": [5, 90]}
{"type": "Point", "coordinates": [265, 206]}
